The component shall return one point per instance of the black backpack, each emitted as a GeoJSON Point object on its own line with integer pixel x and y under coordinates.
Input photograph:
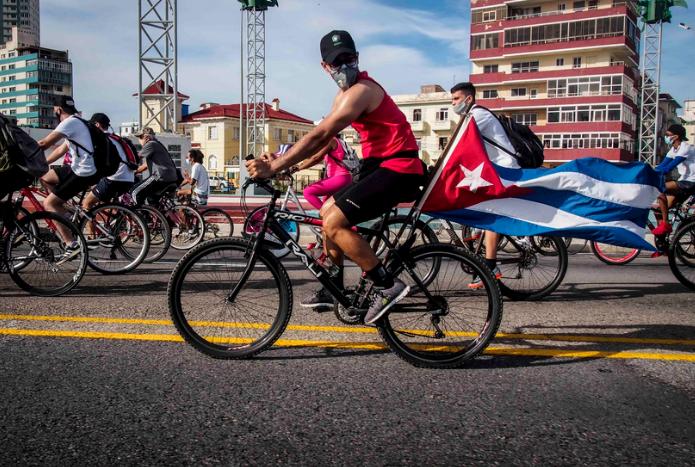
{"type": "Point", "coordinates": [528, 146]}
{"type": "Point", "coordinates": [105, 154]}
{"type": "Point", "coordinates": [20, 151]}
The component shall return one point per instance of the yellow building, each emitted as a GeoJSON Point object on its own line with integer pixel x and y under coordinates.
{"type": "Point", "coordinates": [214, 129]}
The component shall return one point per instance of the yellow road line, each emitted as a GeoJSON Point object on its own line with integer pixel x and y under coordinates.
{"type": "Point", "coordinates": [353, 329]}
{"type": "Point", "coordinates": [502, 351]}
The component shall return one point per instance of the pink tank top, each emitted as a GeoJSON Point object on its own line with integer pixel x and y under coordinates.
{"type": "Point", "coordinates": [334, 168]}
{"type": "Point", "coordinates": [385, 132]}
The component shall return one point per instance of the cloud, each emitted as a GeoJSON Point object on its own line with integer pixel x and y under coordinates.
{"type": "Point", "coordinates": [102, 40]}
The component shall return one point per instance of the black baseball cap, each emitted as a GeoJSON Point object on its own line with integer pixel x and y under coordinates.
{"type": "Point", "coordinates": [678, 130]}
{"type": "Point", "coordinates": [101, 119]}
{"type": "Point", "coordinates": [67, 103]}
{"type": "Point", "coordinates": [335, 43]}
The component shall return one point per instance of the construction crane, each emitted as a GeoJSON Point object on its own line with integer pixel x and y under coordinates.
{"type": "Point", "coordinates": [654, 13]}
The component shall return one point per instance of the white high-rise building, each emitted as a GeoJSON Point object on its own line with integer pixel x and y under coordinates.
{"type": "Point", "coordinates": [25, 15]}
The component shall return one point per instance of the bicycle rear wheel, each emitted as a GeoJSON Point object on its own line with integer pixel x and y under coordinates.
{"type": "Point", "coordinates": [117, 238]}
{"type": "Point", "coordinates": [681, 254]}
{"type": "Point", "coordinates": [36, 257]}
{"type": "Point", "coordinates": [423, 233]}
{"type": "Point", "coordinates": [614, 255]}
{"type": "Point", "coordinates": [454, 326]}
{"type": "Point", "coordinates": [187, 227]}
{"type": "Point", "coordinates": [210, 317]}
{"type": "Point", "coordinates": [217, 223]}
{"type": "Point", "coordinates": [160, 232]}
{"type": "Point", "coordinates": [531, 267]}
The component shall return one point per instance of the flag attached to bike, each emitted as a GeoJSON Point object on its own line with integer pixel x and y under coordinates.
{"type": "Point", "coordinates": [586, 198]}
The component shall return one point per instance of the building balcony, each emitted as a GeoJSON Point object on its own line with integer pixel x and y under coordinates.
{"type": "Point", "coordinates": [558, 156]}
{"type": "Point", "coordinates": [539, 102]}
{"type": "Point", "coordinates": [553, 47]}
{"type": "Point", "coordinates": [553, 73]}
{"type": "Point", "coordinates": [418, 127]}
{"type": "Point", "coordinates": [584, 127]}
{"type": "Point", "coordinates": [443, 125]}
{"type": "Point", "coordinates": [552, 17]}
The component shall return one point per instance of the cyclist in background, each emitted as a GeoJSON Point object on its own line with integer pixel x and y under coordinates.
{"type": "Point", "coordinates": [158, 162]}
{"type": "Point", "coordinates": [337, 175]}
{"type": "Point", "coordinates": [680, 155]}
{"type": "Point", "coordinates": [199, 179]}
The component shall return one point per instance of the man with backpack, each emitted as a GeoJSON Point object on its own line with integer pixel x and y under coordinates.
{"type": "Point", "coordinates": [158, 162]}
{"type": "Point", "coordinates": [68, 180]}
{"type": "Point", "coordinates": [499, 149]}
{"type": "Point", "coordinates": [108, 188]}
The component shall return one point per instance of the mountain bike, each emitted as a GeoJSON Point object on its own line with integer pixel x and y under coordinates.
{"type": "Point", "coordinates": [217, 222]}
{"type": "Point", "coordinates": [35, 255]}
{"type": "Point", "coordinates": [117, 237]}
{"type": "Point", "coordinates": [531, 267]}
{"type": "Point", "coordinates": [232, 298]}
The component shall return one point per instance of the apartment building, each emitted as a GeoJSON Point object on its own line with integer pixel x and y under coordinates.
{"type": "Point", "coordinates": [688, 119]}
{"type": "Point", "coordinates": [214, 129]}
{"type": "Point", "coordinates": [24, 15]}
{"type": "Point", "coordinates": [566, 68]}
{"type": "Point", "coordinates": [32, 79]}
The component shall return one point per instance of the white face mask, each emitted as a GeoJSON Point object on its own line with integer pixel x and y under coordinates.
{"type": "Point", "coordinates": [461, 107]}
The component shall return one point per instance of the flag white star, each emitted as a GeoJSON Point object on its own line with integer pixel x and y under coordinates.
{"type": "Point", "coordinates": [473, 178]}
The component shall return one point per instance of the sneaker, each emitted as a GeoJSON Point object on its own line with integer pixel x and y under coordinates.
{"type": "Point", "coordinates": [663, 228]}
{"type": "Point", "coordinates": [321, 298]}
{"type": "Point", "coordinates": [71, 250]}
{"type": "Point", "coordinates": [478, 282]}
{"type": "Point", "coordinates": [384, 299]}
{"type": "Point", "coordinates": [657, 254]}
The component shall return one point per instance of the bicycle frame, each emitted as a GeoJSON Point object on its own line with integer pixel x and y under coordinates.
{"type": "Point", "coordinates": [271, 223]}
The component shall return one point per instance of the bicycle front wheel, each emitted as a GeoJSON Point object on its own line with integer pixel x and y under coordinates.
{"type": "Point", "coordinates": [160, 232]}
{"type": "Point", "coordinates": [217, 223]}
{"type": "Point", "coordinates": [454, 324]}
{"type": "Point", "coordinates": [254, 223]}
{"type": "Point", "coordinates": [222, 312]}
{"type": "Point", "coordinates": [614, 255]}
{"type": "Point", "coordinates": [37, 259]}
{"type": "Point", "coordinates": [531, 267]}
{"type": "Point", "coordinates": [681, 254]}
{"type": "Point", "coordinates": [117, 238]}
{"type": "Point", "coordinates": [187, 227]}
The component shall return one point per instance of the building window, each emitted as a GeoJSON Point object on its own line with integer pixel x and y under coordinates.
{"type": "Point", "coordinates": [212, 162]}
{"type": "Point", "coordinates": [442, 114]}
{"type": "Point", "coordinates": [524, 67]}
{"type": "Point", "coordinates": [235, 132]}
{"type": "Point", "coordinates": [490, 94]}
{"type": "Point", "coordinates": [577, 62]}
{"type": "Point", "coordinates": [291, 138]}
{"type": "Point", "coordinates": [518, 92]}
{"type": "Point", "coordinates": [533, 93]}
{"type": "Point", "coordinates": [579, 5]}
{"type": "Point", "coordinates": [593, 4]}
{"type": "Point", "coordinates": [277, 134]}
{"type": "Point", "coordinates": [442, 142]}
{"type": "Point", "coordinates": [11, 67]}
{"type": "Point", "coordinates": [485, 41]}
{"type": "Point", "coordinates": [526, 118]}
{"type": "Point", "coordinates": [417, 115]}
{"type": "Point", "coordinates": [212, 132]}
{"type": "Point", "coordinates": [490, 68]}
{"type": "Point", "coordinates": [560, 62]}
{"type": "Point", "coordinates": [489, 15]}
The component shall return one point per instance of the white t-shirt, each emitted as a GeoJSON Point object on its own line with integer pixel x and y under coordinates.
{"type": "Point", "coordinates": [492, 129]}
{"type": "Point", "coordinates": [686, 169]}
{"type": "Point", "coordinates": [202, 181]}
{"type": "Point", "coordinates": [82, 162]}
{"type": "Point", "coordinates": [124, 173]}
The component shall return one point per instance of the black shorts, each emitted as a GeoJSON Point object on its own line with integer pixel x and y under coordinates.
{"type": "Point", "coordinates": [376, 193]}
{"type": "Point", "coordinates": [106, 190]}
{"type": "Point", "coordinates": [70, 184]}
{"type": "Point", "coordinates": [685, 190]}
{"type": "Point", "coordinates": [151, 190]}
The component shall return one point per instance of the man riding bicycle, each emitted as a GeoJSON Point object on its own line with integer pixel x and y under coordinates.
{"type": "Point", "coordinates": [391, 173]}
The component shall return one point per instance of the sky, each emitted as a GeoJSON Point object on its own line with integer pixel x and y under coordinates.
{"type": "Point", "coordinates": [403, 44]}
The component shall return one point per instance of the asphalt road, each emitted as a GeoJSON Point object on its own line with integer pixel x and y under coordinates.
{"type": "Point", "coordinates": [601, 372]}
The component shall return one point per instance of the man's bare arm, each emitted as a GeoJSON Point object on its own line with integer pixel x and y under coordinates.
{"type": "Point", "coordinates": [318, 157]}
{"type": "Point", "coordinates": [57, 152]}
{"type": "Point", "coordinates": [50, 140]}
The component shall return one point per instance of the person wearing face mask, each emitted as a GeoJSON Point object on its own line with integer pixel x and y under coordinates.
{"type": "Point", "coordinates": [391, 170]}
{"type": "Point", "coordinates": [463, 101]}
{"type": "Point", "coordinates": [682, 156]}
{"type": "Point", "coordinates": [67, 181]}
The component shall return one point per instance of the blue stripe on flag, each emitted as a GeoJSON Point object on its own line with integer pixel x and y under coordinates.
{"type": "Point", "coordinates": [633, 172]}
{"type": "Point", "coordinates": [510, 226]}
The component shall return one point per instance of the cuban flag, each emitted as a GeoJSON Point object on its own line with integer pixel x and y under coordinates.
{"type": "Point", "coordinates": [586, 198]}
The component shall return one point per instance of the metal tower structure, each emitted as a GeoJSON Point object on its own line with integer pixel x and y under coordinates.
{"type": "Point", "coordinates": [255, 73]}
{"type": "Point", "coordinates": [158, 71]}
{"type": "Point", "coordinates": [649, 103]}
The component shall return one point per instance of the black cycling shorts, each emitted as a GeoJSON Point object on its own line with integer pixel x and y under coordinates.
{"type": "Point", "coordinates": [106, 190]}
{"type": "Point", "coordinates": [685, 190]}
{"type": "Point", "coordinates": [376, 193]}
{"type": "Point", "coordinates": [70, 184]}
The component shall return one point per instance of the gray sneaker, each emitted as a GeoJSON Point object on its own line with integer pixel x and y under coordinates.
{"type": "Point", "coordinates": [384, 299]}
{"type": "Point", "coordinates": [319, 299]}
